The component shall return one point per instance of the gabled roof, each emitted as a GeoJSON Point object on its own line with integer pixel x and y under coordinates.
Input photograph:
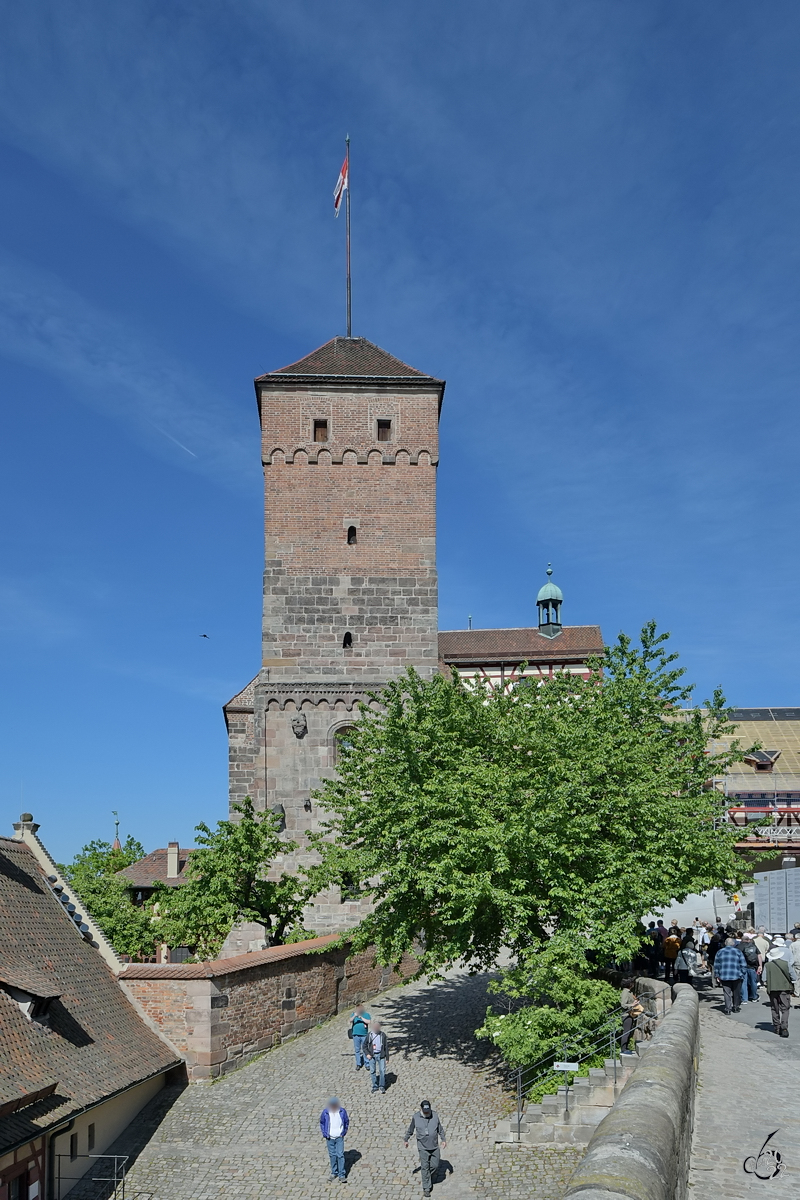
{"type": "Point", "coordinates": [477, 646]}
{"type": "Point", "coordinates": [94, 1045]}
{"type": "Point", "coordinates": [348, 357]}
{"type": "Point", "coordinates": [153, 869]}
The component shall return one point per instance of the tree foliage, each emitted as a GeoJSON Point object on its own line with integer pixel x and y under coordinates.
{"type": "Point", "coordinates": [226, 882]}
{"type": "Point", "coordinates": [92, 873]}
{"type": "Point", "coordinates": [542, 818]}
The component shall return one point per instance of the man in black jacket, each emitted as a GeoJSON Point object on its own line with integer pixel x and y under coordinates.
{"type": "Point", "coordinates": [428, 1127]}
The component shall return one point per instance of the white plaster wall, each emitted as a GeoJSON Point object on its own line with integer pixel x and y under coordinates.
{"type": "Point", "coordinates": [109, 1120]}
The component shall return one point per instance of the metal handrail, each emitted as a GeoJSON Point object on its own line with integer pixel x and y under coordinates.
{"type": "Point", "coordinates": [119, 1162]}
{"type": "Point", "coordinates": [525, 1078]}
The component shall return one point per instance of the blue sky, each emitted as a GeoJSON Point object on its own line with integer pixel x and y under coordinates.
{"type": "Point", "coordinates": [583, 216]}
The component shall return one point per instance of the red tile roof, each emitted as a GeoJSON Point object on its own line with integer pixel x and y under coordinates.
{"type": "Point", "coordinates": [153, 869]}
{"type": "Point", "coordinates": [96, 1043]}
{"type": "Point", "coordinates": [350, 356]}
{"type": "Point", "coordinates": [574, 644]}
{"type": "Point", "coordinates": [225, 966]}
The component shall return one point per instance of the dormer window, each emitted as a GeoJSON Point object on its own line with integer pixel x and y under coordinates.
{"type": "Point", "coordinates": [35, 1008]}
{"type": "Point", "coordinates": [320, 431]}
{"type": "Point", "coordinates": [763, 760]}
{"type": "Point", "coordinates": [384, 431]}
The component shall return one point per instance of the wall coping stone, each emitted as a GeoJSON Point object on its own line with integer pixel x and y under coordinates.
{"type": "Point", "coordinates": [640, 1150]}
{"type": "Point", "coordinates": [228, 966]}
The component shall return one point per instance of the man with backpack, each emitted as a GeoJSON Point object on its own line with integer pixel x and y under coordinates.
{"type": "Point", "coordinates": [753, 961]}
{"type": "Point", "coordinates": [729, 967]}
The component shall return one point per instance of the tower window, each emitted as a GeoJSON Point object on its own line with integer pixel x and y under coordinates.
{"type": "Point", "coordinates": [90, 1135]}
{"type": "Point", "coordinates": [352, 535]}
{"type": "Point", "coordinates": [73, 1146]}
{"type": "Point", "coordinates": [347, 641]}
{"type": "Point", "coordinates": [320, 431]}
{"type": "Point", "coordinates": [384, 431]}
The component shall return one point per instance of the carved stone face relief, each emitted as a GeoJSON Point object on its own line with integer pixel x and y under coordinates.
{"type": "Point", "coordinates": [299, 725]}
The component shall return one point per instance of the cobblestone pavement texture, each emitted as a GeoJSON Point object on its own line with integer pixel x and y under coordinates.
{"type": "Point", "coordinates": [747, 1090]}
{"type": "Point", "coordinates": [254, 1134]}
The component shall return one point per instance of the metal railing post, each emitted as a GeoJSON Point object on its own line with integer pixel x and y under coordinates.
{"type": "Point", "coordinates": [519, 1102]}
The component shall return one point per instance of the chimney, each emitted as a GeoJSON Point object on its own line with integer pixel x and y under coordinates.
{"type": "Point", "coordinates": [172, 860]}
{"type": "Point", "coordinates": [25, 824]}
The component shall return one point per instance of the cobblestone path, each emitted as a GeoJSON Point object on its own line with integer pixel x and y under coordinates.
{"type": "Point", "coordinates": [254, 1135]}
{"type": "Point", "coordinates": [749, 1087]}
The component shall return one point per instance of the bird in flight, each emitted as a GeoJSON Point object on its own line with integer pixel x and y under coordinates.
{"type": "Point", "coordinates": [205, 635]}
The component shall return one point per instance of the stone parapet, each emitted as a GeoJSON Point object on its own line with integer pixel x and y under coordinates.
{"type": "Point", "coordinates": [640, 1150]}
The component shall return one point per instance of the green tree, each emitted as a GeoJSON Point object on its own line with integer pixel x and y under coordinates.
{"type": "Point", "coordinates": [546, 819]}
{"type": "Point", "coordinates": [93, 875]}
{"type": "Point", "coordinates": [226, 882]}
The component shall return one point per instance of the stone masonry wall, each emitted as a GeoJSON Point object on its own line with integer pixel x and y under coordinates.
{"type": "Point", "coordinates": [219, 1014]}
{"type": "Point", "coordinates": [383, 588]}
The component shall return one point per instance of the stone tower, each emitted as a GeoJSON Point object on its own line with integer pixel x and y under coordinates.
{"type": "Point", "coordinates": [349, 444]}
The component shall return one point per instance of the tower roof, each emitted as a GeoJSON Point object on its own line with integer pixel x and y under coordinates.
{"type": "Point", "coordinates": [549, 591]}
{"type": "Point", "coordinates": [351, 356]}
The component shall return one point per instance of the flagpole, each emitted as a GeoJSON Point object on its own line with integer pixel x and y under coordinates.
{"type": "Point", "coordinates": [347, 218]}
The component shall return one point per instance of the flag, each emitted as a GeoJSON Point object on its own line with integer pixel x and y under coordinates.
{"type": "Point", "coordinates": [342, 184]}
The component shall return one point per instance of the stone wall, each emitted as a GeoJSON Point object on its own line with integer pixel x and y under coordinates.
{"type": "Point", "coordinates": [640, 1150]}
{"type": "Point", "coordinates": [218, 1014]}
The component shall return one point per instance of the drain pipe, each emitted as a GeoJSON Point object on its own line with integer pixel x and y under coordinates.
{"type": "Point", "coordinates": [51, 1158]}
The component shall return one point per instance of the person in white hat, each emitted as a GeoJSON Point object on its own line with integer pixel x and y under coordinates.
{"type": "Point", "coordinates": [779, 976]}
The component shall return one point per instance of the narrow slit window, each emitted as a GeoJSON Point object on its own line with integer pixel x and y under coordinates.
{"type": "Point", "coordinates": [384, 431]}
{"type": "Point", "coordinates": [90, 1138]}
{"type": "Point", "coordinates": [347, 641]}
{"type": "Point", "coordinates": [352, 535]}
{"type": "Point", "coordinates": [320, 431]}
{"type": "Point", "coordinates": [73, 1146]}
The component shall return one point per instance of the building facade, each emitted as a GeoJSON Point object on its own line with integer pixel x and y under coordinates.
{"type": "Point", "coordinates": [349, 440]}
{"type": "Point", "coordinates": [349, 449]}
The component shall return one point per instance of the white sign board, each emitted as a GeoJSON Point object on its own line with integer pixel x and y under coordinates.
{"type": "Point", "coordinates": [559, 1066]}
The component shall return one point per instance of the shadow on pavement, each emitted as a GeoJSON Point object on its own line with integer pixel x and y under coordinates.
{"type": "Point", "coordinates": [131, 1142]}
{"type": "Point", "coordinates": [441, 1021]}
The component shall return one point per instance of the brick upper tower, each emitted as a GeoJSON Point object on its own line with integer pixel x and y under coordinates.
{"type": "Point", "coordinates": [349, 444]}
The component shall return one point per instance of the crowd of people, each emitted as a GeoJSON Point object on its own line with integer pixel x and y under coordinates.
{"type": "Point", "coordinates": [738, 961]}
{"type": "Point", "coordinates": [370, 1050]}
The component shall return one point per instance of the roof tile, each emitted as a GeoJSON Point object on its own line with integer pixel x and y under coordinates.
{"type": "Point", "coordinates": [575, 642]}
{"type": "Point", "coordinates": [351, 356]}
{"type": "Point", "coordinates": [96, 1043]}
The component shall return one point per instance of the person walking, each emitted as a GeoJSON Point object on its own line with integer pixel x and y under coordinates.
{"type": "Point", "coordinates": [795, 945]}
{"type": "Point", "coordinates": [779, 977]}
{"type": "Point", "coordinates": [358, 1029]}
{"type": "Point", "coordinates": [729, 969]}
{"type": "Point", "coordinates": [715, 943]}
{"type": "Point", "coordinates": [377, 1056]}
{"type": "Point", "coordinates": [754, 962]}
{"type": "Point", "coordinates": [672, 946]}
{"type": "Point", "coordinates": [428, 1128]}
{"type": "Point", "coordinates": [687, 961]}
{"type": "Point", "coordinates": [333, 1125]}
